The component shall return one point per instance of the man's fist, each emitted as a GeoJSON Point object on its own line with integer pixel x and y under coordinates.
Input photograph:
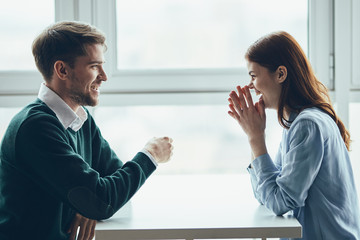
{"type": "Point", "coordinates": [160, 148]}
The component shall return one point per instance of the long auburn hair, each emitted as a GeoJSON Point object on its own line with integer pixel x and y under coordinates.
{"type": "Point", "coordinates": [301, 89]}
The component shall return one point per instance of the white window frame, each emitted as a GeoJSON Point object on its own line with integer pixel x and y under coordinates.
{"type": "Point", "coordinates": [347, 55]}
{"type": "Point", "coordinates": [170, 86]}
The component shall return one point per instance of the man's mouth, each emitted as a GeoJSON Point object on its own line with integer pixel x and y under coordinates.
{"type": "Point", "coordinates": [95, 88]}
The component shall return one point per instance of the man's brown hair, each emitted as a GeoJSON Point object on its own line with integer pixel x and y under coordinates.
{"type": "Point", "coordinates": [63, 41]}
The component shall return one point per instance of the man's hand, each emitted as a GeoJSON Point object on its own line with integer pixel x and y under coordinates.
{"type": "Point", "coordinates": [87, 228]}
{"type": "Point", "coordinates": [160, 149]}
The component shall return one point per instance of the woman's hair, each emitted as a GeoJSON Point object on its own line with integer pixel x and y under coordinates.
{"type": "Point", "coordinates": [301, 89]}
{"type": "Point", "coordinates": [63, 41]}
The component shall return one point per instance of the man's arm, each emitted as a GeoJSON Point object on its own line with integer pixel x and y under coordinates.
{"type": "Point", "coordinates": [47, 154]}
{"type": "Point", "coordinates": [105, 161]}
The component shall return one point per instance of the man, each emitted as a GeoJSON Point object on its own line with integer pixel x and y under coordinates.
{"type": "Point", "coordinates": [57, 173]}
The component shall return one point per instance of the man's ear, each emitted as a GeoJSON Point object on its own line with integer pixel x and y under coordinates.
{"type": "Point", "coordinates": [61, 70]}
{"type": "Point", "coordinates": [281, 73]}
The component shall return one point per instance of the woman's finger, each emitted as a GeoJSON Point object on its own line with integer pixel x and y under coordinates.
{"type": "Point", "coordinates": [242, 100]}
{"type": "Point", "coordinates": [261, 109]}
{"type": "Point", "coordinates": [248, 96]}
{"type": "Point", "coordinates": [233, 113]}
{"type": "Point", "coordinates": [236, 102]}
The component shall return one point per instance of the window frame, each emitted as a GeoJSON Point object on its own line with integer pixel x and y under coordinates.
{"type": "Point", "coordinates": [160, 85]}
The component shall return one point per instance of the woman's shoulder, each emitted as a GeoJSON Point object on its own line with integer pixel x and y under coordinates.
{"type": "Point", "coordinates": [314, 114]}
{"type": "Point", "coordinates": [314, 117]}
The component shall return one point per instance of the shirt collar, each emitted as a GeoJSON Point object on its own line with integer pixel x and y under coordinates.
{"type": "Point", "coordinates": [67, 117]}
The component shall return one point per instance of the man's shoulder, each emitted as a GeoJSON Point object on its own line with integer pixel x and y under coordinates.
{"type": "Point", "coordinates": [32, 112]}
{"type": "Point", "coordinates": [28, 120]}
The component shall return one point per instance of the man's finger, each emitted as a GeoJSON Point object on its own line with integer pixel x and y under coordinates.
{"type": "Point", "coordinates": [73, 232]}
{"type": "Point", "coordinates": [73, 228]}
{"type": "Point", "coordinates": [92, 232]}
{"type": "Point", "coordinates": [83, 230]}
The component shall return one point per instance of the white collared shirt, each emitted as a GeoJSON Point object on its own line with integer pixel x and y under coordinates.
{"type": "Point", "coordinates": [67, 117]}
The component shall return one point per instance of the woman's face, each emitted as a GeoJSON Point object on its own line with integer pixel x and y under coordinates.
{"type": "Point", "coordinates": [266, 84]}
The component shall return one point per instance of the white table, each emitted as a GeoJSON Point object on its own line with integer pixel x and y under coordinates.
{"type": "Point", "coordinates": [196, 207]}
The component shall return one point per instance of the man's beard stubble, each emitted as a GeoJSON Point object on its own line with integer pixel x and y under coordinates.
{"type": "Point", "coordinates": [79, 97]}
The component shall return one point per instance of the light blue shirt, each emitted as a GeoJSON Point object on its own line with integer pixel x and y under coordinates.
{"type": "Point", "coordinates": [312, 177]}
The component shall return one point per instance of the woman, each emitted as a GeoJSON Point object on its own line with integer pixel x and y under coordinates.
{"type": "Point", "coordinates": [311, 175]}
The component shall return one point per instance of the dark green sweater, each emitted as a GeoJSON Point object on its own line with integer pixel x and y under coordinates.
{"type": "Point", "coordinates": [47, 173]}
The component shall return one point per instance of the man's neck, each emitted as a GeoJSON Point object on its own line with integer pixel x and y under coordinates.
{"type": "Point", "coordinates": [62, 94]}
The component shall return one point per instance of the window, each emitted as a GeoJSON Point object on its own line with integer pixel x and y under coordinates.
{"type": "Point", "coordinates": [356, 44]}
{"type": "Point", "coordinates": [20, 22]}
{"type": "Point", "coordinates": [187, 46]}
{"type": "Point", "coordinates": [355, 144]}
{"type": "Point", "coordinates": [158, 34]}
{"type": "Point", "coordinates": [183, 57]}
{"type": "Point", "coordinates": [169, 53]}
{"type": "Point", "coordinates": [206, 139]}
{"type": "Point", "coordinates": [6, 114]}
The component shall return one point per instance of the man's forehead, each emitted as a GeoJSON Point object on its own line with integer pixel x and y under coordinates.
{"type": "Point", "coordinates": [94, 54]}
{"type": "Point", "coordinates": [94, 49]}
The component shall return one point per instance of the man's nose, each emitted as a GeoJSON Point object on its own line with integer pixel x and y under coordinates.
{"type": "Point", "coordinates": [102, 75]}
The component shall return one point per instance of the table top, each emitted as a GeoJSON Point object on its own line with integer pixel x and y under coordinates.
{"type": "Point", "coordinates": [196, 206]}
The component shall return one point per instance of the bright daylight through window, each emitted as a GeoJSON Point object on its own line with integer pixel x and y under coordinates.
{"type": "Point", "coordinates": [201, 34]}
{"type": "Point", "coordinates": [20, 22]}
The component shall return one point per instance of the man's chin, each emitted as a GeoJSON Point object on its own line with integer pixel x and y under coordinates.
{"type": "Point", "coordinates": [90, 102]}
{"type": "Point", "coordinates": [93, 103]}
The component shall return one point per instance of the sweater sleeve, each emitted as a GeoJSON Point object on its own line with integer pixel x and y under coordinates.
{"type": "Point", "coordinates": [48, 158]}
{"type": "Point", "coordinates": [104, 159]}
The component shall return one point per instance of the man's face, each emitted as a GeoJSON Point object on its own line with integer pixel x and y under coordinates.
{"type": "Point", "coordinates": [87, 76]}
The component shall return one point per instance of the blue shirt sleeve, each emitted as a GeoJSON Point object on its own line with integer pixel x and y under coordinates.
{"type": "Point", "coordinates": [285, 188]}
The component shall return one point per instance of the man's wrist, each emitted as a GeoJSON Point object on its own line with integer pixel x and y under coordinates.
{"type": "Point", "coordinates": [147, 153]}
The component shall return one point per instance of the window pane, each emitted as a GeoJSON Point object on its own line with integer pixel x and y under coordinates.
{"type": "Point", "coordinates": [6, 114]}
{"type": "Point", "coordinates": [354, 129]}
{"type": "Point", "coordinates": [200, 33]}
{"type": "Point", "coordinates": [206, 139]}
{"type": "Point", "coordinates": [20, 22]}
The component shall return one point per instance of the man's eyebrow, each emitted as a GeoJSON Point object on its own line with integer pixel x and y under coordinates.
{"type": "Point", "coordinates": [96, 62]}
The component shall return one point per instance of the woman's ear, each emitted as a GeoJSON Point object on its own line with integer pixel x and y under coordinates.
{"type": "Point", "coordinates": [61, 70]}
{"type": "Point", "coordinates": [282, 73]}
